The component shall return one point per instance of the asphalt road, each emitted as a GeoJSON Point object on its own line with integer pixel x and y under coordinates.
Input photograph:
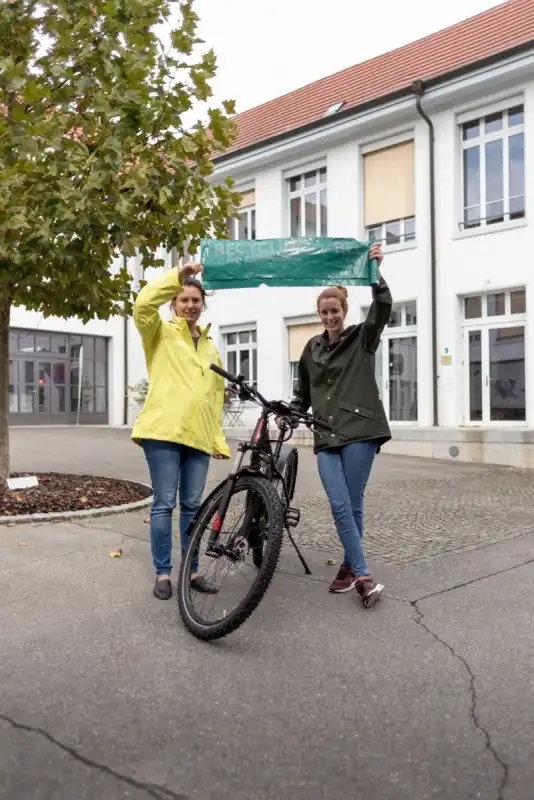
{"type": "Point", "coordinates": [429, 695]}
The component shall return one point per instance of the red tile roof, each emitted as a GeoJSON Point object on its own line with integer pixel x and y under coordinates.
{"type": "Point", "coordinates": [498, 30]}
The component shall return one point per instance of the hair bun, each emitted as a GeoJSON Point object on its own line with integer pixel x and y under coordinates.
{"type": "Point", "coordinates": [343, 290]}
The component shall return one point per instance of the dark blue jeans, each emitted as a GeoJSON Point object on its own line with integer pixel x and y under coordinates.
{"type": "Point", "coordinates": [344, 473]}
{"type": "Point", "coordinates": [174, 469]}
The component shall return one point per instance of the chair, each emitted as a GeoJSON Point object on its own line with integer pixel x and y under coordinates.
{"type": "Point", "coordinates": [233, 412]}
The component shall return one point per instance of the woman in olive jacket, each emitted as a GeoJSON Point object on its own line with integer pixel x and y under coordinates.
{"type": "Point", "coordinates": [336, 378]}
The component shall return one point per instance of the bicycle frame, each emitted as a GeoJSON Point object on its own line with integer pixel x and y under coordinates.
{"type": "Point", "coordinates": [263, 453]}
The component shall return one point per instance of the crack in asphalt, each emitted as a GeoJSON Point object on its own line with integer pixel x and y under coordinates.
{"type": "Point", "coordinates": [419, 619]}
{"type": "Point", "coordinates": [474, 580]}
{"type": "Point", "coordinates": [159, 792]}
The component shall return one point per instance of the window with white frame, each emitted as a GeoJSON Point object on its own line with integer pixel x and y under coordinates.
{"type": "Point", "coordinates": [396, 364]}
{"type": "Point", "coordinates": [293, 377]}
{"type": "Point", "coordinates": [308, 208]}
{"type": "Point", "coordinates": [240, 353]}
{"type": "Point", "coordinates": [494, 357]}
{"type": "Point", "coordinates": [393, 232]}
{"type": "Point", "coordinates": [244, 226]}
{"type": "Point", "coordinates": [389, 194]}
{"type": "Point", "coordinates": [493, 168]}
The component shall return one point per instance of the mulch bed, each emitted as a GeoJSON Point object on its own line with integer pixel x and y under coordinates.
{"type": "Point", "coordinates": [58, 493]}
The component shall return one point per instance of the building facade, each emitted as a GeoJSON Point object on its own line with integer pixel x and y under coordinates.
{"type": "Point", "coordinates": [442, 173]}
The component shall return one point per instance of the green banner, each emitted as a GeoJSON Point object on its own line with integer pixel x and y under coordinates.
{"type": "Point", "coordinates": [306, 261]}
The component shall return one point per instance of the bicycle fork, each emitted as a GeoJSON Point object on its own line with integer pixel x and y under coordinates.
{"type": "Point", "coordinates": [214, 549]}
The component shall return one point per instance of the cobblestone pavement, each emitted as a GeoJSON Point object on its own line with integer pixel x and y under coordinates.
{"type": "Point", "coordinates": [416, 509]}
{"type": "Point", "coordinates": [416, 520]}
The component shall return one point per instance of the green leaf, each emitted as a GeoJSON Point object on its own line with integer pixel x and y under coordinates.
{"type": "Point", "coordinates": [95, 161]}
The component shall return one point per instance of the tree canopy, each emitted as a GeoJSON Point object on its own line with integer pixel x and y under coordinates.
{"type": "Point", "coordinates": [96, 161]}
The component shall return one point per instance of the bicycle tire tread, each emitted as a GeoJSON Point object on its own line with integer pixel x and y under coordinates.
{"type": "Point", "coordinates": [270, 560]}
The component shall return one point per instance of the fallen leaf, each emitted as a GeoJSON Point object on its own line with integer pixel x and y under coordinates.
{"type": "Point", "coordinates": [22, 544]}
{"type": "Point", "coordinates": [331, 562]}
{"type": "Point", "coordinates": [83, 499]}
{"type": "Point", "coordinates": [146, 521]}
{"type": "Point", "coordinates": [116, 553]}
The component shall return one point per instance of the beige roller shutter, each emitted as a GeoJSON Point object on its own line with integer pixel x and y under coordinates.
{"type": "Point", "coordinates": [389, 184]}
{"type": "Point", "coordinates": [248, 199]}
{"type": "Point", "coordinates": [299, 336]}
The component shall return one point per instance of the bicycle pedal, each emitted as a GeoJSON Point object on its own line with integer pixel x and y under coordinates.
{"type": "Point", "coordinates": [292, 517]}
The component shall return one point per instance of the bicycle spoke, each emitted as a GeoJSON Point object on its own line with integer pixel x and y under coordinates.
{"type": "Point", "coordinates": [231, 576]}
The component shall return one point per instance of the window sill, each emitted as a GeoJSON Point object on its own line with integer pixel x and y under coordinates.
{"type": "Point", "coordinates": [399, 248]}
{"type": "Point", "coordinates": [488, 229]}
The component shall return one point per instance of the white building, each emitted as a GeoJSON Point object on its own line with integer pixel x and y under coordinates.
{"type": "Point", "coordinates": [352, 155]}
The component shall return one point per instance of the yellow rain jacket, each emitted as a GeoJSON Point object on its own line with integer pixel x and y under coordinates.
{"type": "Point", "coordinates": [185, 397]}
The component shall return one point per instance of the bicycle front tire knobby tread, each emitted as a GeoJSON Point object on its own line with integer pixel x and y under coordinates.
{"type": "Point", "coordinates": [272, 548]}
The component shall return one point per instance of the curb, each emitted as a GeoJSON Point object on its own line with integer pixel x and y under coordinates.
{"type": "Point", "coordinates": [61, 516]}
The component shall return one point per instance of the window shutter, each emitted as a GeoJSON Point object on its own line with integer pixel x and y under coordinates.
{"type": "Point", "coordinates": [299, 335]}
{"type": "Point", "coordinates": [389, 184]}
{"type": "Point", "coordinates": [248, 199]}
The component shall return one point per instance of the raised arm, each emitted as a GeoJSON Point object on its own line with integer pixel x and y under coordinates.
{"type": "Point", "coordinates": [378, 316]}
{"type": "Point", "coordinates": [155, 294]}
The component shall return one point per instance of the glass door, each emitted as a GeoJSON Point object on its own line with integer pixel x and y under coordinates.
{"type": "Point", "coordinates": [475, 398]}
{"type": "Point", "coordinates": [401, 380]}
{"type": "Point", "coordinates": [26, 376]}
{"type": "Point", "coordinates": [396, 377]}
{"type": "Point", "coordinates": [495, 375]}
{"type": "Point", "coordinates": [506, 374]}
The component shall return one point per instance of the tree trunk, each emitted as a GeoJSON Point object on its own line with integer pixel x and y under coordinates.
{"type": "Point", "coordinates": [5, 307]}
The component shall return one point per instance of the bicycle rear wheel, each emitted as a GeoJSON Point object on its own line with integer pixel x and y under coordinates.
{"type": "Point", "coordinates": [255, 517]}
{"type": "Point", "coordinates": [289, 474]}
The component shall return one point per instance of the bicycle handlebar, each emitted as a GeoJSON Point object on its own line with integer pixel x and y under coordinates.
{"type": "Point", "coordinates": [278, 407]}
{"type": "Point", "coordinates": [224, 374]}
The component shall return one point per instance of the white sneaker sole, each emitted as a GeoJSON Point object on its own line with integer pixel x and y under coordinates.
{"type": "Point", "coordinates": [373, 596]}
{"type": "Point", "coordinates": [344, 591]}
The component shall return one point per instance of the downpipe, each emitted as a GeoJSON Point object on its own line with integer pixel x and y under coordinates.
{"type": "Point", "coordinates": [418, 89]}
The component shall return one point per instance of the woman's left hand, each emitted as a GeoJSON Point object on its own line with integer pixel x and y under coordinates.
{"type": "Point", "coordinates": [376, 252]}
{"type": "Point", "coordinates": [220, 457]}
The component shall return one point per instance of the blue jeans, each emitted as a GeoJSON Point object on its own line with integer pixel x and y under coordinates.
{"type": "Point", "coordinates": [174, 469]}
{"type": "Point", "coordinates": [344, 473]}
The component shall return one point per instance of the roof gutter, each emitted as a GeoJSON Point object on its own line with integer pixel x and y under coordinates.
{"type": "Point", "coordinates": [399, 94]}
{"type": "Point", "coordinates": [418, 88]}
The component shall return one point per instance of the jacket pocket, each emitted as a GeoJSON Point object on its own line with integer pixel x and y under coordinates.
{"type": "Point", "coordinates": [358, 411]}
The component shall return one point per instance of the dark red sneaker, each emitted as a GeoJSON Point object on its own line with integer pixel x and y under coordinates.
{"type": "Point", "coordinates": [368, 590]}
{"type": "Point", "coordinates": [344, 581]}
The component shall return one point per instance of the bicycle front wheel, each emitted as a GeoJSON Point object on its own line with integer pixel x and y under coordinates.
{"type": "Point", "coordinates": [255, 518]}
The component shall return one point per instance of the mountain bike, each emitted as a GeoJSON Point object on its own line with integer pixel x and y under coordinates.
{"type": "Point", "coordinates": [238, 531]}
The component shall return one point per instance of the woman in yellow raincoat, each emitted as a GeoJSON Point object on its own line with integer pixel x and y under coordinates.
{"type": "Point", "coordinates": [179, 426]}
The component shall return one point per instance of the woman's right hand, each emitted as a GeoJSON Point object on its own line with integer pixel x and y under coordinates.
{"type": "Point", "coordinates": [191, 270]}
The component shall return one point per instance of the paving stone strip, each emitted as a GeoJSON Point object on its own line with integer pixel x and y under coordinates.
{"type": "Point", "coordinates": [417, 520]}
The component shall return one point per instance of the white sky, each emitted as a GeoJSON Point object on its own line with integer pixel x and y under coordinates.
{"type": "Point", "coordinates": [266, 48]}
